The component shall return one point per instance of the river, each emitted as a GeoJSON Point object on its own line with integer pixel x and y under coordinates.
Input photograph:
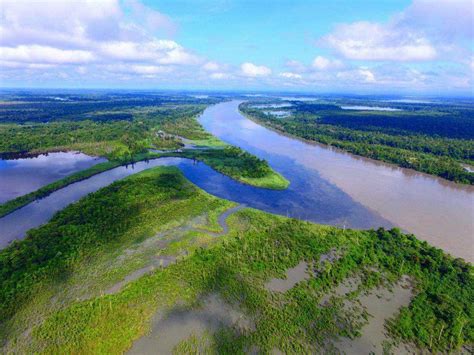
{"type": "Point", "coordinates": [326, 186]}
{"type": "Point", "coordinates": [436, 210]}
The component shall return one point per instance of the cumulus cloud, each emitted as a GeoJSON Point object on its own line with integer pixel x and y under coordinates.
{"type": "Point", "coordinates": [93, 33]}
{"type": "Point", "coordinates": [151, 19]}
{"type": "Point", "coordinates": [290, 75]}
{"type": "Point", "coordinates": [45, 55]}
{"type": "Point", "coordinates": [443, 20]}
{"type": "Point", "coordinates": [360, 75]}
{"type": "Point", "coordinates": [372, 41]}
{"type": "Point", "coordinates": [322, 63]}
{"type": "Point", "coordinates": [220, 76]}
{"type": "Point", "coordinates": [252, 70]}
{"type": "Point", "coordinates": [424, 31]}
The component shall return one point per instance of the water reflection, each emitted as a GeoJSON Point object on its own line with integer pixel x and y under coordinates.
{"type": "Point", "coordinates": [26, 174]}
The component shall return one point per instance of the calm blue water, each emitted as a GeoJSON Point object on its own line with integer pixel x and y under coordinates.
{"type": "Point", "coordinates": [21, 176]}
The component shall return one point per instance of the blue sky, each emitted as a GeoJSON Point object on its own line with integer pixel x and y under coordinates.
{"type": "Point", "coordinates": [419, 46]}
{"type": "Point", "coordinates": [266, 31]}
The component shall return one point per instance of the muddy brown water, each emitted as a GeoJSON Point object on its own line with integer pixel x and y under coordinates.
{"type": "Point", "coordinates": [381, 305]}
{"type": "Point", "coordinates": [436, 210]}
{"type": "Point", "coordinates": [293, 276]}
{"type": "Point", "coordinates": [169, 329]}
{"type": "Point", "coordinates": [327, 186]}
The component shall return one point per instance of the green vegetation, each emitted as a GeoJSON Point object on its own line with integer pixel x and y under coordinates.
{"type": "Point", "coordinates": [94, 243]}
{"type": "Point", "coordinates": [435, 141]}
{"type": "Point", "coordinates": [240, 165]}
{"type": "Point", "coordinates": [116, 140]}
{"type": "Point", "coordinates": [51, 282]}
{"type": "Point", "coordinates": [21, 201]}
{"type": "Point", "coordinates": [123, 133]}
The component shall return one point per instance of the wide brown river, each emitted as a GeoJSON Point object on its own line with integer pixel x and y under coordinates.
{"type": "Point", "coordinates": [434, 209]}
{"type": "Point", "coordinates": [326, 186]}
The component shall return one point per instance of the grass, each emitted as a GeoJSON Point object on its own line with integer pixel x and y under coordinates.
{"type": "Point", "coordinates": [94, 250]}
{"type": "Point", "coordinates": [272, 180]}
{"type": "Point", "coordinates": [116, 229]}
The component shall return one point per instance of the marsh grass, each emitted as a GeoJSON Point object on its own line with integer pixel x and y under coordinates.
{"type": "Point", "coordinates": [236, 267]}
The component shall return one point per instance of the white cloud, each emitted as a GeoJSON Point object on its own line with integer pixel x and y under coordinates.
{"type": "Point", "coordinates": [220, 76]}
{"type": "Point", "coordinates": [153, 20]}
{"type": "Point", "coordinates": [368, 76]}
{"type": "Point", "coordinates": [290, 75]}
{"type": "Point", "coordinates": [138, 69]}
{"type": "Point", "coordinates": [94, 33]}
{"type": "Point", "coordinates": [425, 31]}
{"type": "Point", "coordinates": [322, 63]}
{"type": "Point", "coordinates": [372, 41]}
{"type": "Point", "coordinates": [211, 66]}
{"type": "Point", "coordinates": [45, 55]}
{"type": "Point", "coordinates": [158, 51]}
{"type": "Point", "coordinates": [360, 75]}
{"type": "Point", "coordinates": [150, 69]}
{"type": "Point", "coordinates": [252, 70]}
{"type": "Point", "coordinates": [441, 20]}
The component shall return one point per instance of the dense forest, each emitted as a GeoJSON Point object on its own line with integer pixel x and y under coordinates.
{"type": "Point", "coordinates": [115, 139]}
{"type": "Point", "coordinates": [34, 107]}
{"type": "Point", "coordinates": [435, 140]}
{"type": "Point", "coordinates": [52, 283]}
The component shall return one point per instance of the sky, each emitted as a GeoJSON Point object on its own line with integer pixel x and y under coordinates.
{"type": "Point", "coordinates": [365, 46]}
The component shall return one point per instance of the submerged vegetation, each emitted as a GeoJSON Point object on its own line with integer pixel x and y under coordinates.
{"type": "Point", "coordinates": [52, 282]}
{"type": "Point", "coordinates": [434, 139]}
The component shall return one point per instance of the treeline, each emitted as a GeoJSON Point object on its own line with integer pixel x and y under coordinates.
{"type": "Point", "coordinates": [28, 108]}
{"type": "Point", "coordinates": [443, 121]}
{"type": "Point", "coordinates": [234, 161]}
{"type": "Point", "coordinates": [259, 247]}
{"type": "Point", "coordinates": [427, 153]}
{"type": "Point", "coordinates": [82, 228]}
{"type": "Point", "coordinates": [115, 139]}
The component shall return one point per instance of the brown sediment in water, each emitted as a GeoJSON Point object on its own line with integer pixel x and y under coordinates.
{"type": "Point", "coordinates": [169, 329]}
{"type": "Point", "coordinates": [381, 304]}
{"type": "Point", "coordinates": [293, 276]}
{"type": "Point", "coordinates": [436, 210]}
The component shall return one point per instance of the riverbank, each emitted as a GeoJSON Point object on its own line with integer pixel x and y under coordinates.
{"type": "Point", "coordinates": [21, 201]}
{"type": "Point", "coordinates": [199, 145]}
{"type": "Point", "coordinates": [393, 149]}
